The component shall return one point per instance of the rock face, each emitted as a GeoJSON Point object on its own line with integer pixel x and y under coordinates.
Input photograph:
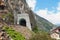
{"type": "Point", "coordinates": [20, 7]}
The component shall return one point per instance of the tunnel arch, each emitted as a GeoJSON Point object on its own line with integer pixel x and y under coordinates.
{"type": "Point", "coordinates": [22, 22]}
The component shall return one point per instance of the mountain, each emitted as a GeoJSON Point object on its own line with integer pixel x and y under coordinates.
{"type": "Point", "coordinates": [43, 24]}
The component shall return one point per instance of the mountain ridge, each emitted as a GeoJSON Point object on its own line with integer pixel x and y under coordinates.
{"type": "Point", "coordinates": [43, 23]}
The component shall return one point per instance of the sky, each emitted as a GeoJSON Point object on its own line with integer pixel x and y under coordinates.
{"type": "Point", "coordinates": [48, 9]}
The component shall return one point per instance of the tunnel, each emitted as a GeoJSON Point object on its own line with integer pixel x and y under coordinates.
{"type": "Point", "coordinates": [22, 22]}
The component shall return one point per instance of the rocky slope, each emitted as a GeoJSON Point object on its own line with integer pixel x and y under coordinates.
{"type": "Point", "coordinates": [23, 30]}
{"type": "Point", "coordinates": [3, 34]}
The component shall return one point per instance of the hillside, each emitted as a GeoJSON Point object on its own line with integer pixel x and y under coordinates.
{"type": "Point", "coordinates": [43, 24]}
{"type": "Point", "coordinates": [23, 30]}
{"type": "Point", "coordinates": [15, 32]}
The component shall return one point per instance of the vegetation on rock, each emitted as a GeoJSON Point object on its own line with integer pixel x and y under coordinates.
{"type": "Point", "coordinates": [8, 18]}
{"type": "Point", "coordinates": [13, 34]}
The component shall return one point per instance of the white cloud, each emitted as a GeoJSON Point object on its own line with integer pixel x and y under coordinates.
{"type": "Point", "coordinates": [31, 3]}
{"type": "Point", "coordinates": [50, 15]}
{"type": "Point", "coordinates": [58, 7]}
{"type": "Point", "coordinates": [54, 18]}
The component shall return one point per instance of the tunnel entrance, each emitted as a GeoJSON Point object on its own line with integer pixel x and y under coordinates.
{"type": "Point", "coordinates": [22, 22]}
